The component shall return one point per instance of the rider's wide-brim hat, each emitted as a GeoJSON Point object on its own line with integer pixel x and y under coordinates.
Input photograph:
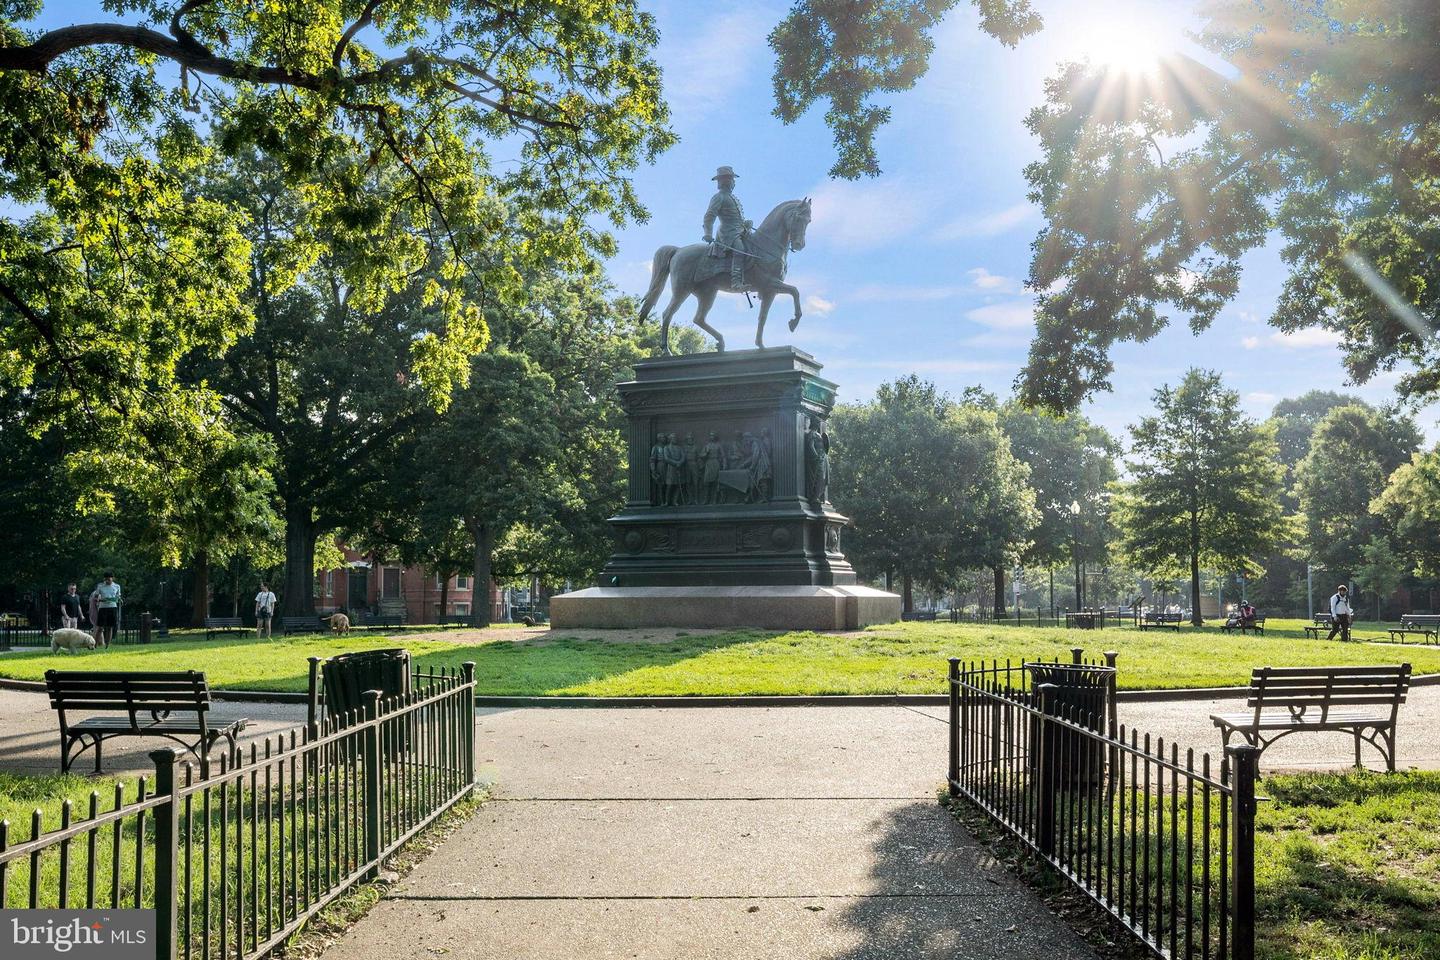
{"type": "Point", "coordinates": [725, 172]}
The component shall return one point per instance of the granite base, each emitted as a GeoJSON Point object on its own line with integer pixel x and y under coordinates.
{"type": "Point", "coordinates": [765, 607]}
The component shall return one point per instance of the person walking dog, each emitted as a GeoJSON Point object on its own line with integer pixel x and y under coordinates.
{"type": "Point", "coordinates": [1340, 614]}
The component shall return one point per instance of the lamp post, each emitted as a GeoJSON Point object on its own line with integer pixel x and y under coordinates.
{"type": "Point", "coordinates": [1075, 553]}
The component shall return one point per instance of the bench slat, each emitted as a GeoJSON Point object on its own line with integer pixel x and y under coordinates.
{"type": "Point", "coordinates": [1365, 671]}
{"type": "Point", "coordinates": [86, 676]}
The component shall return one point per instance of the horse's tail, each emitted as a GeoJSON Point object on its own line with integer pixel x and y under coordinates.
{"type": "Point", "coordinates": [659, 270]}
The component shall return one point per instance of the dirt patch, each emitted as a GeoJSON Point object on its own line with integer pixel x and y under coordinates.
{"type": "Point", "coordinates": [538, 635]}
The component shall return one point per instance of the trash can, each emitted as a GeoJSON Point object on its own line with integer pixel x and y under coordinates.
{"type": "Point", "coordinates": [345, 678]}
{"type": "Point", "coordinates": [1085, 696]}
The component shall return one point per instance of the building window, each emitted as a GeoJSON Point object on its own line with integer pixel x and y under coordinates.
{"type": "Point", "coordinates": [390, 583]}
{"type": "Point", "coordinates": [462, 583]}
{"type": "Point", "coordinates": [462, 609]}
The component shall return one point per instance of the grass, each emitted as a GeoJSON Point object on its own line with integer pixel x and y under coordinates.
{"type": "Point", "coordinates": [893, 658]}
{"type": "Point", "coordinates": [1348, 867]}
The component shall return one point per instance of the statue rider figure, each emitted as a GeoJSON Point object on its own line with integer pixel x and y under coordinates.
{"type": "Point", "coordinates": [729, 240]}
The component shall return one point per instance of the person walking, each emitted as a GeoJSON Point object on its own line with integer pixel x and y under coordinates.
{"type": "Point", "coordinates": [107, 592]}
{"type": "Point", "coordinates": [1340, 614]}
{"type": "Point", "coordinates": [70, 608]}
{"type": "Point", "coordinates": [264, 611]}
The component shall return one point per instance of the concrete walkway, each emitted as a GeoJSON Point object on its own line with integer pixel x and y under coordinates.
{"type": "Point", "coordinates": [710, 833]}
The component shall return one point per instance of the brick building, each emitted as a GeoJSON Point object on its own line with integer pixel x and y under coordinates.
{"type": "Point", "coordinates": [365, 586]}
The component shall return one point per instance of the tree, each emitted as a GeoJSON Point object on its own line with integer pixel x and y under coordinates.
{"type": "Point", "coordinates": [847, 51]}
{"type": "Point", "coordinates": [1354, 451]}
{"type": "Point", "coordinates": [1072, 463]}
{"type": "Point", "coordinates": [1204, 488]}
{"type": "Point", "coordinates": [1322, 129]}
{"type": "Point", "coordinates": [1296, 418]}
{"type": "Point", "coordinates": [1410, 507]}
{"type": "Point", "coordinates": [931, 486]}
{"type": "Point", "coordinates": [122, 272]}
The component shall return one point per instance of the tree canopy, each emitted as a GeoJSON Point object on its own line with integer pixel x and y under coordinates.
{"type": "Point", "coordinates": [1410, 506]}
{"type": "Point", "coordinates": [1204, 487]}
{"type": "Point", "coordinates": [1321, 126]}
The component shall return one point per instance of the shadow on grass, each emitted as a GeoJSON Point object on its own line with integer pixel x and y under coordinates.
{"type": "Point", "coordinates": [551, 666]}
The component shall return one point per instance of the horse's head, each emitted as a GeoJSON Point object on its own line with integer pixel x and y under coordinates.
{"type": "Point", "coordinates": [797, 218]}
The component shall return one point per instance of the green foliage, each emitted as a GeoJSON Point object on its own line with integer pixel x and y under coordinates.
{"type": "Point", "coordinates": [1354, 451]}
{"type": "Point", "coordinates": [1321, 129]}
{"type": "Point", "coordinates": [1071, 461]}
{"type": "Point", "coordinates": [1410, 509]}
{"type": "Point", "coordinates": [1205, 485]}
{"type": "Point", "coordinates": [379, 113]}
{"type": "Point", "coordinates": [932, 485]}
{"type": "Point", "coordinates": [846, 52]}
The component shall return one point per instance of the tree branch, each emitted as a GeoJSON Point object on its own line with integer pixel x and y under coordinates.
{"type": "Point", "coordinates": [367, 16]}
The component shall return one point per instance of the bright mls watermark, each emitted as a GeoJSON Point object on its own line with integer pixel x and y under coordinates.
{"type": "Point", "coordinates": [77, 934]}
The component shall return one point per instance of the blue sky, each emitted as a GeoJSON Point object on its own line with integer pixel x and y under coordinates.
{"type": "Point", "coordinates": [920, 269]}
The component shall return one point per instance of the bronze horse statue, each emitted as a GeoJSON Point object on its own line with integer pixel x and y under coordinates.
{"type": "Point", "coordinates": [692, 270]}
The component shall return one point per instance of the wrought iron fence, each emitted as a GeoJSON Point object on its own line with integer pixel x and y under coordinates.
{"type": "Point", "coordinates": [234, 863]}
{"type": "Point", "coordinates": [17, 632]}
{"type": "Point", "coordinates": [1163, 841]}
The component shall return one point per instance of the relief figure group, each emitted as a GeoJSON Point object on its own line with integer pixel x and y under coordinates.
{"type": "Point", "coordinates": [689, 474]}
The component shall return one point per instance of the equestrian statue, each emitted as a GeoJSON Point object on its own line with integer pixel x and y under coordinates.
{"type": "Point", "coordinates": [733, 257]}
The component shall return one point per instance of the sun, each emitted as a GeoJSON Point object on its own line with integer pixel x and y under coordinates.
{"type": "Point", "coordinates": [1125, 43]}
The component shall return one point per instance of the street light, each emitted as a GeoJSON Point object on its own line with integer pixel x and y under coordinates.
{"type": "Point", "coordinates": [1075, 553]}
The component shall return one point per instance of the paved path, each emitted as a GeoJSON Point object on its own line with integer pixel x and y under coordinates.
{"type": "Point", "coordinates": [710, 833]}
{"type": "Point", "coordinates": [30, 735]}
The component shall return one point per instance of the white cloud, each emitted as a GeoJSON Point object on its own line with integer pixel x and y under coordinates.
{"type": "Point", "coordinates": [704, 66]}
{"type": "Point", "coordinates": [987, 225]}
{"type": "Point", "coordinates": [985, 280]}
{"type": "Point", "coordinates": [819, 305]}
{"type": "Point", "coordinates": [1260, 398]}
{"type": "Point", "coordinates": [889, 292]}
{"type": "Point", "coordinates": [1249, 343]}
{"type": "Point", "coordinates": [859, 216]}
{"type": "Point", "coordinates": [1014, 315]}
{"type": "Point", "coordinates": [1308, 339]}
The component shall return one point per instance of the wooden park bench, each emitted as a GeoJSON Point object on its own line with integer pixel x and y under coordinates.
{"type": "Point", "coordinates": [1286, 700]}
{"type": "Point", "coordinates": [289, 625]}
{"type": "Point", "coordinates": [146, 703]}
{"type": "Point", "coordinates": [214, 625]}
{"type": "Point", "coordinates": [1160, 621]}
{"type": "Point", "coordinates": [457, 620]}
{"type": "Point", "coordinates": [1323, 622]}
{"type": "Point", "coordinates": [1426, 624]}
{"type": "Point", "coordinates": [380, 621]}
{"type": "Point", "coordinates": [1257, 625]}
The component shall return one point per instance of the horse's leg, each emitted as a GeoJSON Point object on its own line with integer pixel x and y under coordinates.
{"type": "Point", "coordinates": [767, 297]}
{"type": "Point", "coordinates": [705, 296]}
{"type": "Point", "coordinates": [677, 297]}
{"type": "Point", "coordinates": [794, 292]}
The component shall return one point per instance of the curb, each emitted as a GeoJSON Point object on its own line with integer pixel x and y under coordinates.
{"type": "Point", "coordinates": [837, 700]}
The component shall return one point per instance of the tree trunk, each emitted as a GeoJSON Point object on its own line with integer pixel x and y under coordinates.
{"type": "Point", "coordinates": [200, 595]}
{"type": "Point", "coordinates": [907, 601]}
{"type": "Point", "coordinates": [999, 592]}
{"type": "Point", "coordinates": [1195, 618]}
{"type": "Point", "coordinates": [1079, 586]}
{"type": "Point", "coordinates": [484, 548]}
{"type": "Point", "coordinates": [298, 599]}
{"type": "Point", "coordinates": [889, 581]}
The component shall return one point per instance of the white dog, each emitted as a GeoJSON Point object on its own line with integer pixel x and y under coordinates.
{"type": "Point", "coordinates": [339, 623]}
{"type": "Point", "coordinates": [71, 639]}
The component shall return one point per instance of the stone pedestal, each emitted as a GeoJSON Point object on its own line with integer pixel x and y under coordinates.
{"type": "Point", "coordinates": [738, 501]}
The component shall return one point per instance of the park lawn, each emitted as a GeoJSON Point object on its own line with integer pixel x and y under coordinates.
{"type": "Point", "coordinates": [1348, 867]}
{"type": "Point", "coordinates": [892, 658]}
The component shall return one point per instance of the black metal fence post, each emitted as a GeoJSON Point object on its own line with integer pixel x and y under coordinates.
{"type": "Point", "coordinates": [372, 784]}
{"type": "Point", "coordinates": [953, 776]}
{"type": "Point", "coordinates": [1245, 763]}
{"type": "Point", "coordinates": [167, 853]}
{"type": "Point", "coordinates": [312, 702]}
{"type": "Point", "coordinates": [468, 668]}
{"type": "Point", "coordinates": [1110, 656]}
{"type": "Point", "coordinates": [1077, 655]}
{"type": "Point", "coordinates": [1048, 781]}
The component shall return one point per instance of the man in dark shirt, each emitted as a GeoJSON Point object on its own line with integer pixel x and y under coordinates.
{"type": "Point", "coordinates": [70, 608]}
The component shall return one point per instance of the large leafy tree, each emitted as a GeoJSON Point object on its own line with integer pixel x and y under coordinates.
{"type": "Point", "coordinates": [1410, 506]}
{"type": "Point", "coordinates": [1072, 467]}
{"type": "Point", "coordinates": [930, 484]}
{"type": "Point", "coordinates": [1322, 128]}
{"type": "Point", "coordinates": [1204, 487]}
{"type": "Point", "coordinates": [1352, 454]}
{"type": "Point", "coordinates": [112, 272]}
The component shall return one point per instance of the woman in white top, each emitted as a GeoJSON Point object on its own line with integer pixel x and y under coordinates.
{"type": "Point", "coordinates": [264, 610]}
